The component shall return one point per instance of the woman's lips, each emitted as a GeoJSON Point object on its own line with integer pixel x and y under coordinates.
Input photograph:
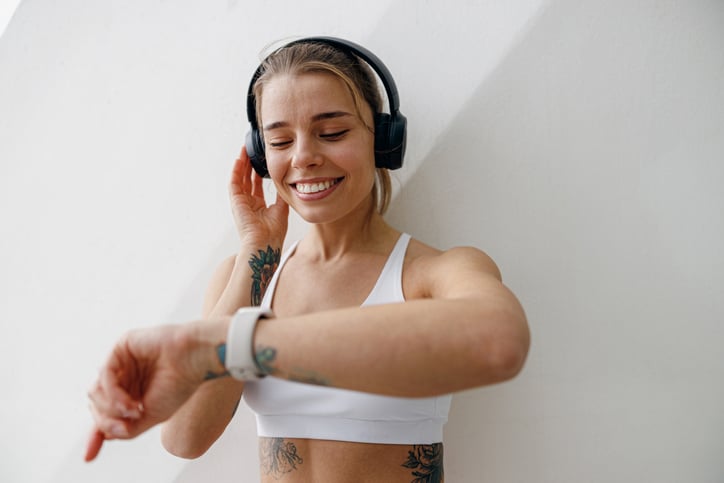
{"type": "Point", "coordinates": [318, 187]}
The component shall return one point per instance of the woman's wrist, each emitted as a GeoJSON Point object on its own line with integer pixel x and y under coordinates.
{"type": "Point", "coordinates": [252, 243]}
{"type": "Point", "coordinates": [241, 360]}
{"type": "Point", "coordinates": [261, 261]}
{"type": "Point", "coordinates": [205, 346]}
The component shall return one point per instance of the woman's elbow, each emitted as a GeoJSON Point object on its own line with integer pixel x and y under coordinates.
{"type": "Point", "coordinates": [511, 360]}
{"type": "Point", "coordinates": [507, 355]}
{"type": "Point", "coordinates": [180, 445]}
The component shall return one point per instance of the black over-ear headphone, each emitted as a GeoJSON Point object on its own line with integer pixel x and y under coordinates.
{"type": "Point", "coordinates": [390, 129]}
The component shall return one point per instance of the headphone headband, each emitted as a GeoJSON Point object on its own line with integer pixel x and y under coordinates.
{"type": "Point", "coordinates": [390, 129]}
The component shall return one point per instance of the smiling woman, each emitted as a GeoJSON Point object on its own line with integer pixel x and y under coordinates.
{"type": "Point", "coordinates": [361, 334]}
{"type": "Point", "coordinates": [318, 141]}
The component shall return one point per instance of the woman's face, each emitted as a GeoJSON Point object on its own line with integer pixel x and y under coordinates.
{"type": "Point", "coordinates": [320, 154]}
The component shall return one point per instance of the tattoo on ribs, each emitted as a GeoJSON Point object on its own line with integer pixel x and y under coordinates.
{"type": "Point", "coordinates": [278, 457]}
{"type": "Point", "coordinates": [426, 462]}
{"type": "Point", "coordinates": [263, 265]}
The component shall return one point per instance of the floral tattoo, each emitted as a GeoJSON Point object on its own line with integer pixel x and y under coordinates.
{"type": "Point", "coordinates": [278, 457]}
{"type": "Point", "coordinates": [426, 461]}
{"type": "Point", "coordinates": [263, 265]}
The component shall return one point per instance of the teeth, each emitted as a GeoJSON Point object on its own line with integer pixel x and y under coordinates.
{"type": "Point", "coordinates": [315, 187]}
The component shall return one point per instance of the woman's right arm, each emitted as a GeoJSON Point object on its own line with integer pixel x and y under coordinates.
{"type": "Point", "coordinates": [239, 281]}
{"type": "Point", "coordinates": [202, 419]}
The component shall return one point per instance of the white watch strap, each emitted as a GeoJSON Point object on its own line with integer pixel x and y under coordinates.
{"type": "Point", "coordinates": [240, 360]}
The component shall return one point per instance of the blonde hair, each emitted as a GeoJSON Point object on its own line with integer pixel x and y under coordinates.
{"type": "Point", "coordinates": [357, 76]}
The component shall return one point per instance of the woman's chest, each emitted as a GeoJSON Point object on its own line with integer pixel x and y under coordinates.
{"type": "Point", "coordinates": [304, 287]}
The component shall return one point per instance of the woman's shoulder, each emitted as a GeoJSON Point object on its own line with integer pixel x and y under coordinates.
{"type": "Point", "coordinates": [420, 252]}
{"type": "Point", "coordinates": [425, 262]}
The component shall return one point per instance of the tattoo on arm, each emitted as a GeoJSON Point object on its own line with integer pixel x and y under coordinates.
{"type": "Point", "coordinates": [263, 265]}
{"type": "Point", "coordinates": [426, 462]}
{"type": "Point", "coordinates": [266, 358]}
{"type": "Point", "coordinates": [221, 354]}
{"type": "Point", "coordinates": [278, 457]}
{"type": "Point", "coordinates": [308, 377]}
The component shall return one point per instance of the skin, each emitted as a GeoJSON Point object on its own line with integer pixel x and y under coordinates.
{"type": "Point", "coordinates": [459, 328]}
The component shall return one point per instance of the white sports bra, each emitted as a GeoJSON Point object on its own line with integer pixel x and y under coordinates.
{"type": "Point", "coordinates": [286, 409]}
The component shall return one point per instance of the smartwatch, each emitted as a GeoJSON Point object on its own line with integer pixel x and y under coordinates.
{"type": "Point", "coordinates": [240, 360]}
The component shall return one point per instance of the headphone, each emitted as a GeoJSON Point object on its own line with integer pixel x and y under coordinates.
{"type": "Point", "coordinates": [390, 129]}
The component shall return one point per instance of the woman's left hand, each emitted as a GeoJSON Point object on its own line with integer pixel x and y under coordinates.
{"type": "Point", "coordinates": [258, 225]}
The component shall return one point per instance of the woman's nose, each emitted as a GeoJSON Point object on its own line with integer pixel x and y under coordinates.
{"type": "Point", "coordinates": [305, 153]}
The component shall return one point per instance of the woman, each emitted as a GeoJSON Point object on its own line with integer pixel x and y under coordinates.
{"type": "Point", "coordinates": [372, 329]}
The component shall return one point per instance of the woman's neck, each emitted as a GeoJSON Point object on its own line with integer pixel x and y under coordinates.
{"type": "Point", "coordinates": [330, 241]}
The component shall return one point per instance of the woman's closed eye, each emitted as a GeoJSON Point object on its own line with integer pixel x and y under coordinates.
{"type": "Point", "coordinates": [334, 136]}
{"type": "Point", "coordinates": [331, 136]}
{"type": "Point", "coordinates": [279, 144]}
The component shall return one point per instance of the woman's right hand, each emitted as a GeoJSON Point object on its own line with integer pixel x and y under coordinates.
{"type": "Point", "coordinates": [258, 225]}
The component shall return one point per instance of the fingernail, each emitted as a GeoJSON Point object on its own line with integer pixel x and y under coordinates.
{"type": "Point", "coordinates": [128, 413]}
{"type": "Point", "coordinates": [118, 430]}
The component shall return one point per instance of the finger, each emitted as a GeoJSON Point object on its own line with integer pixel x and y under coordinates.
{"type": "Point", "coordinates": [93, 447]}
{"type": "Point", "coordinates": [257, 185]}
{"type": "Point", "coordinates": [247, 173]}
{"type": "Point", "coordinates": [111, 397]}
{"type": "Point", "coordinates": [236, 177]}
{"type": "Point", "coordinates": [97, 398]}
{"type": "Point", "coordinates": [110, 422]}
{"type": "Point", "coordinates": [117, 403]}
{"type": "Point", "coordinates": [106, 414]}
{"type": "Point", "coordinates": [240, 182]}
{"type": "Point", "coordinates": [111, 428]}
{"type": "Point", "coordinates": [101, 405]}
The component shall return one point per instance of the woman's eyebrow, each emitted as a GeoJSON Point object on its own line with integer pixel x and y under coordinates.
{"type": "Point", "coordinates": [317, 117]}
{"type": "Point", "coordinates": [330, 115]}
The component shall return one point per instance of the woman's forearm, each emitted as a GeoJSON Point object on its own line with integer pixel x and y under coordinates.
{"type": "Point", "coordinates": [415, 349]}
{"type": "Point", "coordinates": [244, 285]}
{"type": "Point", "coordinates": [240, 282]}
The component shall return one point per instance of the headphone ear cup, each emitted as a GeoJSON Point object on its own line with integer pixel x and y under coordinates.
{"type": "Point", "coordinates": [255, 150]}
{"type": "Point", "coordinates": [390, 140]}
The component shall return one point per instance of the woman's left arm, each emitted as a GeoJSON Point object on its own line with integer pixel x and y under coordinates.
{"type": "Point", "coordinates": [468, 331]}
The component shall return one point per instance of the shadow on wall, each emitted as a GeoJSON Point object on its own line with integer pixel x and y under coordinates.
{"type": "Point", "coordinates": [474, 188]}
{"type": "Point", "coordinates": [560, 167]}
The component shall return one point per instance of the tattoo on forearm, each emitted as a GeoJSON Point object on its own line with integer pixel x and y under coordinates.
{"type": "Point", "coordinates": [308, 377]}
{"type": "Point", "coordinates": [263, 265]}
{"type": "Point", "coordinates": [266, 359]}
{"type": "Point", "coordinates": [278, 457]}
{"type": "Point", "coordinates": [426, 462]}
{"type": "Point", "coordinates": [221, 354]}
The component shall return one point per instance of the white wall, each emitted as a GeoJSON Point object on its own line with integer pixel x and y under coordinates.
{"type": "Point", "coordinates": [7, 8]}
{"type": "Point", "coordinates": [579, 143]}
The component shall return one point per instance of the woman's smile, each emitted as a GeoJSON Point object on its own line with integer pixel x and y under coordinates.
{"type": "Point", "coordinates": [315, 189]}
